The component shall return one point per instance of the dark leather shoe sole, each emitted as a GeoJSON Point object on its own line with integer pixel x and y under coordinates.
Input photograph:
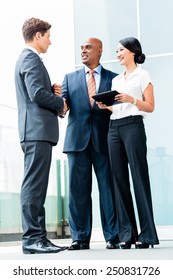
{"type": "Point", "coordinates": [41, 251]}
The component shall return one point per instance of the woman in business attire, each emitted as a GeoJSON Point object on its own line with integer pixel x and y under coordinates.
{"type": "Point", "coordinates": [127, 146]}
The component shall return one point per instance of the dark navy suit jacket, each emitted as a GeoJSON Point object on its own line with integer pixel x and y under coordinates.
{"type": "Point", "coordinates": [85, 122]}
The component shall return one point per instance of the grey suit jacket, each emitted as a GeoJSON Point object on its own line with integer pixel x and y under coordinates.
{"type": "Point", "coordinates": [37, 105]}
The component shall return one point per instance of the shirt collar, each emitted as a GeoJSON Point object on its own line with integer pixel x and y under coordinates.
{"type": "Point", "coordinates": [97, 69]}
{"type": "Point", "coordinates": [32, 49]}
{"type": "Point", "coordinates": [135, 72]}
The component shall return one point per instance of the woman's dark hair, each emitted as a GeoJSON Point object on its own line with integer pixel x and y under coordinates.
{"type": "Point", "coordinates": [133, 45]}
{"type": "Point", "coordinates": [32, 26]}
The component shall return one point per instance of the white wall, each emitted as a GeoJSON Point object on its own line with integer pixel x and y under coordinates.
{"type": "Point", "coordinates": [59, 60]}
{"type": "Point", "coordinates": [60, 56]}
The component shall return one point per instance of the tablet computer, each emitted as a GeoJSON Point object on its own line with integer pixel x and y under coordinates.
{"type": "Point", "coordinates": [106, 97]}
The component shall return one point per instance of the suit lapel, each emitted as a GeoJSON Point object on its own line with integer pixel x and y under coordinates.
{"type": "Point", "coordinates": [82, 79]}
{"type": "Point", "coordinates": [103, 80]}
{"type": "Point", "coordinates": [83, 84]}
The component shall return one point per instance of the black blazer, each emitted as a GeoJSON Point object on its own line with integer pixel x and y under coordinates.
{"type": "Point", "coordinates": [84, 121]}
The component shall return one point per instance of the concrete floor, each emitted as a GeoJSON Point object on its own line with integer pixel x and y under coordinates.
{"type": "Point", "coordinates": [98, 263]}
{"type": "Point", "coordinates": [163, 251]}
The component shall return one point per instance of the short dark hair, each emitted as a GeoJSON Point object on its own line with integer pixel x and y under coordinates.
{"type": "Point", "coordinates": [32, 26]}
{"type": "Point", "coordinates": [133, 45]}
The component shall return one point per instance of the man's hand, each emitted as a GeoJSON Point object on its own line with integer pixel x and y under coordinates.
{"type": "Point", "coordinates": [65, 106]}
{"type": "Point", "coordinates": [57, 89]}
{"type": "Point", "coordinates": [64, 111]}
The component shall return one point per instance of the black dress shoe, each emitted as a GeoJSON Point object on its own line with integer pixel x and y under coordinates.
{"type": "Point", "coordinates": [41, 247]}
{"type": "Point", "coordinates": [79, 245]}
{"type": "Point", "coordinates": [49, 243]}
{"type": "Point", "coordinates": [112, 245]}
{"type": "Point", "coordinates": [141, 245]}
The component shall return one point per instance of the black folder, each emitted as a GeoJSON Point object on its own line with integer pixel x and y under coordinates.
{"type": "Point", "coordinates": [106, 97]}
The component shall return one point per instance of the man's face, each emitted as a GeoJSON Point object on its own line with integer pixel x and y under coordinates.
{"type": "Point", "coordinates": [43, 42]}
{"type": "Point", "coordinates": [91, 52]}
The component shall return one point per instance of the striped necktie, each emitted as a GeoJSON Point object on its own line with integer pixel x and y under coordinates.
{"type": "Point", "coordinates": [91, 86]}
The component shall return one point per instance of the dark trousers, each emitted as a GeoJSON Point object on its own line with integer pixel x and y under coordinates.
{"type": "Point", "coordinates": [127, 146]}
{"type": "Point", "coordinates": [80, 188]}
{"type": "Point", "coordinates": [37, 159]}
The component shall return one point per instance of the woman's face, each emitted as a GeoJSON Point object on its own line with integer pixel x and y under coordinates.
{"type": "Point", "coordinates": [124, 56]}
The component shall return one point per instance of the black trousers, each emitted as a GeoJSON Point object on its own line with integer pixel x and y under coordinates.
{"type": "Point", "coordinates": [37, 160]}
{"type": "Point", "coordinates": [127, 148]}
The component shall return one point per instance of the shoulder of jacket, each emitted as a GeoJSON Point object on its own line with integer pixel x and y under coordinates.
{"type": "Point", "coordinates": [73, 73]}
{"type": "Point", "coordinates": [109, 72]}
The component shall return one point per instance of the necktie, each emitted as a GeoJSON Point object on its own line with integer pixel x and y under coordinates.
{"type": "Point", "coordinates": [91, 86]}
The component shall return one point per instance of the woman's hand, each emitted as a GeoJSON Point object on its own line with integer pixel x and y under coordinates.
{"type": "Point", "coordinates": [103, 106]}
{"type": "Point", "coordinates": [146, 105]}
{"type": "Point", "coordinates": [124, 98]}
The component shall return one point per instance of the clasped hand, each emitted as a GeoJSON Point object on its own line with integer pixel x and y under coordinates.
{"type": "Point", "coordinates": [57, 88]}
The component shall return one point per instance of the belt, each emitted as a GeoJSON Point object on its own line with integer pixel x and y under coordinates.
{"type": "Point", "coordinates": [126, 120]}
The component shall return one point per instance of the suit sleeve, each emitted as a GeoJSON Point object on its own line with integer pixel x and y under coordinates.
{"type": "Point", "coordinates": [65, 93]}
{"type": "Point", "coordinates": [38, 83]}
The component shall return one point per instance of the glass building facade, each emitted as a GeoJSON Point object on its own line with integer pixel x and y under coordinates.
{"type": "Point", "coordinates": [109, 20]}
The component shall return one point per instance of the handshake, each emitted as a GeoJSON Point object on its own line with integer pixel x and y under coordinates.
{"type": "Point", "coordinates": [57, 90]}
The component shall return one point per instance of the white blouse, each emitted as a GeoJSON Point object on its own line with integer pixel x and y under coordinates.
{"type": "Point", "coordinates": [133, 85]}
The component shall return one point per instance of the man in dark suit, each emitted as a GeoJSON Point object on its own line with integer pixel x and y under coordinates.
{"type": "Point", "coordinates": [38, 107]}
{"type": "Point", "coordinates": [86, 146]}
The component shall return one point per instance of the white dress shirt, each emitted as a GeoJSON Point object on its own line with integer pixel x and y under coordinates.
{"type": "Point", "coordinates": [133, 85]}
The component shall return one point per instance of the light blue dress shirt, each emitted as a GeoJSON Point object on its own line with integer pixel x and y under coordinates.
{"type": "Point", "coordinates": [97, 75]}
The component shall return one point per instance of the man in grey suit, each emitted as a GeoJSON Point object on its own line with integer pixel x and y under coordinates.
{"type": "Point", "coordinates": [86, 146]}
{"type": "Point", "coordinates": [38, 108]}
